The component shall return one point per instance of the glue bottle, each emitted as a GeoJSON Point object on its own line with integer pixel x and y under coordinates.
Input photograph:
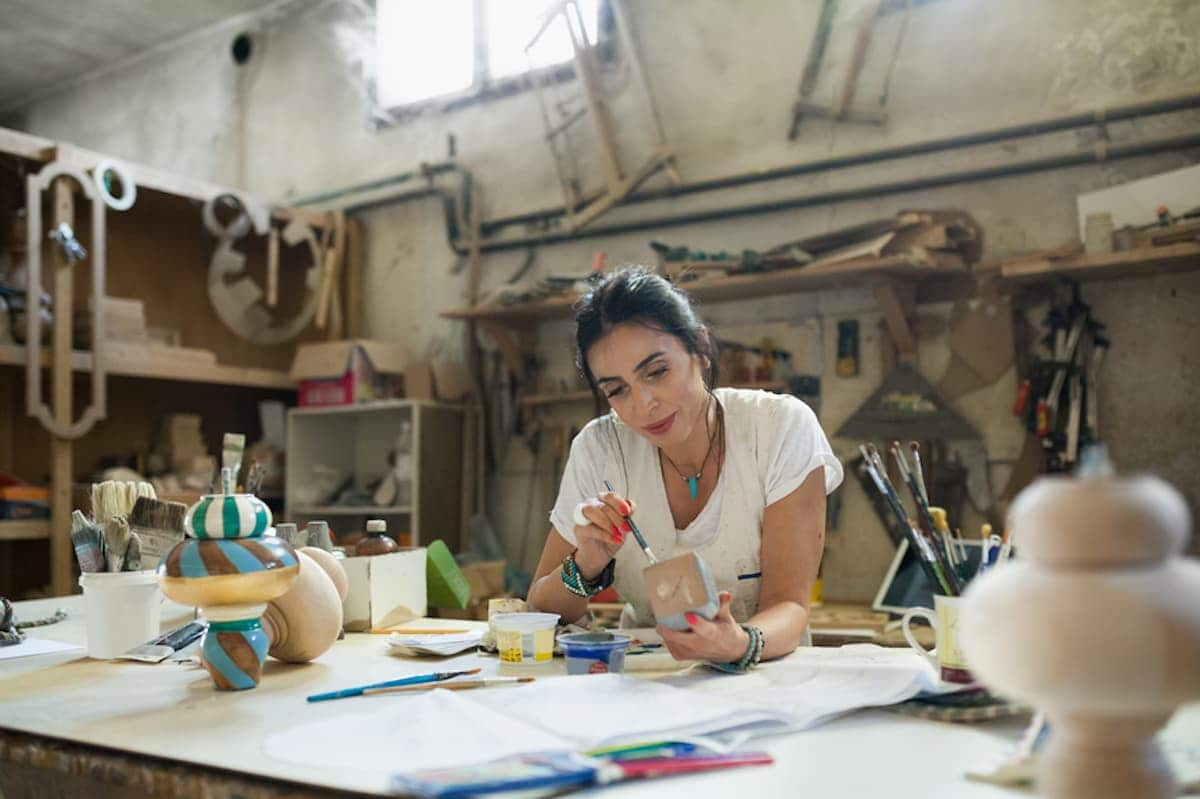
{"type": "Point", "coordinates": [377, 541]}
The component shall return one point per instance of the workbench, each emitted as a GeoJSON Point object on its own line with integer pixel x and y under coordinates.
{"type": "Point", "coordinates": [70, 725]}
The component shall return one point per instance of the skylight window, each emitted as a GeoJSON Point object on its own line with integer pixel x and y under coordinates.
{"type": "Point", "coordinates": [454, 49]}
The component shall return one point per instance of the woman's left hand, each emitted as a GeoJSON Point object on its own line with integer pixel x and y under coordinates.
{"type": "Point", "coordinates": [721, 640]}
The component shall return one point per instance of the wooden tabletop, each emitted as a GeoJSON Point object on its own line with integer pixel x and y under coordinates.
{"type": "Point", "coordinates": [169, 714]}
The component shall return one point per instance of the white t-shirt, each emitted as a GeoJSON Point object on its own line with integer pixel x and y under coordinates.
{"type": "Point", "coordinates": [772, 443]}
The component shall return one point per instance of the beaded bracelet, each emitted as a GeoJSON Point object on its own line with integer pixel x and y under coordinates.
{"type": "Point", "coordinates": [752, 656]}
{"type": "Point", "coordinates": [578, 585]}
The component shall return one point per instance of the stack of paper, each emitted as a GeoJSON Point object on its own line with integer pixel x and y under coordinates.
{"type": "Point", "coordinates": [435, 644]}
{"type": "Point", "coordinates": [792, 694]}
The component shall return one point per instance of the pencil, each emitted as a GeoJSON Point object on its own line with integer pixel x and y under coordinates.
{"type": "Point", "coordinates": [463, 685]}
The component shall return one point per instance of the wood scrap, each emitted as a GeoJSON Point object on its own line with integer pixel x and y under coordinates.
{"type": "Point", "coordinates": [336, 235]}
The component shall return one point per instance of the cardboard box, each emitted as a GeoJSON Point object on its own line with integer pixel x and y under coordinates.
{"type": "Point", "coordinates": [436, 379]}
{"type": "Point", "coordinates": [349, 371]}
{"type": "Point", "coordinates": [385, 590]}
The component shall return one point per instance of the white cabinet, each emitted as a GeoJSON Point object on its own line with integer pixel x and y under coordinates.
{"type": "Point", "coordinates": [329, 449]}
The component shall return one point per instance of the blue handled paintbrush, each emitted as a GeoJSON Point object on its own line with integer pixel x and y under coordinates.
{"type": "Point", "coordinates": [417, 679]}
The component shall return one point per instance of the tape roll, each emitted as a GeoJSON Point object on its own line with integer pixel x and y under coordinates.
{"type": "Point", "coordinates": [129, 195]}
{"type": "Point", "coordinates": [578, 517]}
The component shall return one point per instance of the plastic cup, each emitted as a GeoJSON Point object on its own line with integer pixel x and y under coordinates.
{"type": "Point", "coordinates": [121, 610]}
{"type": "Point", "coordinates": [525, 638]}
{"type": "Point", "coordinates": [595, 653]}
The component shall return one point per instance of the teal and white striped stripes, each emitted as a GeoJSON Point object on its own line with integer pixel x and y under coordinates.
{"type": "Point", "coordinates": [228, 516]}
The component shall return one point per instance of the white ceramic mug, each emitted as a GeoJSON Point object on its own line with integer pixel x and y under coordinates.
{"type": "Point", "coordinates": [947, 656]}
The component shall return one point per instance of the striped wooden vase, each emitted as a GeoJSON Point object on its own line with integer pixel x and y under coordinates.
{"type": "Point", "coordinates": [235, 646]}
{"type": "Point", "coordinates": [230, 570]}
{"type": "Point", "coordinates": [227, 516]}
{"type": "Point", "coordinates": [239, 571]}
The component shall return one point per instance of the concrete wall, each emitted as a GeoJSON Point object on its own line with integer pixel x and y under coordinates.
{"type": "Point", "coordinates": [293, 122]}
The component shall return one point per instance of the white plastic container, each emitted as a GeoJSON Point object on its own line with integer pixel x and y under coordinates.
{"type": "Point", "coordinates": [525, 638]}
{"type": "Point", "coordinates": [121, 610]}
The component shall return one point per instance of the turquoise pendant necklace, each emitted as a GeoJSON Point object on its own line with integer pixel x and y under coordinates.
{"type": "Point", "coordinates": [694, 480]}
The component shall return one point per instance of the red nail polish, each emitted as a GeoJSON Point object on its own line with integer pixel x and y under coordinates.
{"type": "Point", "coordinates": [626, 509]}
{"type": "Point", "coordinates": [692, 618]}
{"type": "Point", "coordinates": [625, 528]}
{"type": "Point", "coordinates": [616, 531]}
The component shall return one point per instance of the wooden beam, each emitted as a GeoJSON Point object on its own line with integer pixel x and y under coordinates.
{"type": "Point", "coordinates": [897, 299]}
{"type": "Point", "coordinates": [511, 353]}
{"type": "Point", "coordinates": [355, 278]}
{"type": "Point", "coordinates": [61, 453]}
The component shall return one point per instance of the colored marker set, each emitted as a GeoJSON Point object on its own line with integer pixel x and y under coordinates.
{"type": "Point", "coordinates": [568, 770]}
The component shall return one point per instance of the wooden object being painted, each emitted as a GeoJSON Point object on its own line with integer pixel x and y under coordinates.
{"type": "Point", "coordinates": [680, 586]}
{"type": "Point", "coordinates": [1097, 625]}
{"type": "Point", "coordinates": [228, 569]}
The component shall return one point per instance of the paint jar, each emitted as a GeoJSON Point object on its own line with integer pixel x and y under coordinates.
{"type": "Point", "coordinates": [525, 638]}
{"type": "Point", "coordinates": [121, 610]}
{"type": "Point", "coordinates": [595, 653]}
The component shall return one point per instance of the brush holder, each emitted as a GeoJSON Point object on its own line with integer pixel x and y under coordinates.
{"type": "Point", "coordinates": [230, 570]}
{"type": "Point", "coordinates": [1097, 625]}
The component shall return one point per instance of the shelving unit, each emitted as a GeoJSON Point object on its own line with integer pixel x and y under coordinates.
{"type": "Point", "coordinates": [854, 272]}
{"type": "Point", "coordinates": [354, 441]}
{"type": "Point", "coordinates": [1142, 262]}
{"type": "Point", "coordinates": [156, 252]}
{"type": "Point", "coordinates": [584, 395]}
{"type": "Point", "coordinates": [161, 363]}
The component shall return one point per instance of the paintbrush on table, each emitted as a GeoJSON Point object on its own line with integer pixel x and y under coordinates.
{"type": "Point", "coordinates": [463, 685]}
{"type": "Point", "coordinates": [418, 679]}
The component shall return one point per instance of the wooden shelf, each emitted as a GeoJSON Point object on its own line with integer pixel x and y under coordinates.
{"type": "Point", "coordinates": [1107, 266]}
{"type": "Point", "coordinates": [584, 395]}
{"type": "Point", "coordinates": [162, 363]}
{"type": "Point", "coordinates": [735, 287]}
{"type": "Point", "coordinates": [24, 529]}
{"type": "Point", "coordinates": [351, 510]}
{"type": "Point", "coordinates": [370, 407]}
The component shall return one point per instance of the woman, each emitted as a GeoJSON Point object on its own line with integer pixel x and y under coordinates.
{"type": "Point", "coordinates": [738, 476]}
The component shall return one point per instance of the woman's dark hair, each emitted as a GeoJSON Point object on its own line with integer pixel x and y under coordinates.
{"type": "Point", "coordinates": [637, 295]}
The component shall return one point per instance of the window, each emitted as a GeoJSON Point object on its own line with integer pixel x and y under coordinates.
{"type": "Point", "coordinates": [453, 50]}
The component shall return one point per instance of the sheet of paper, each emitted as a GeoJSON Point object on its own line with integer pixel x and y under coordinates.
{"type": "Point", "coordinates": [435, 644]}
{"type": "Point", "coordinates": [403, 733]}
{"type": "Point", "coordinates": [34, 646]}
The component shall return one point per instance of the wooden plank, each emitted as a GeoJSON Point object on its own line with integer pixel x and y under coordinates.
{"type": "Point", "coordinates": [513, 357]}
{"type": "Point", "coordinates": [896, 301]}
{"type": "Point", "coordinates": [863, 38]}
{"type": "Point", "coordinates": [733, 287]}
{"type": "Point", "coordinates": [1108, 266]}
{"type": "Point", "coordinates": [438, 472]}
{"type": "Point", "coordinates": [25, 145]}
{"type": "Point", "coordinates": [24, 529]}
{"type": "Point", "coordinates": [356, 267]}
{"type": "Point", "coordinates": [8, 417]}
{"type": "Point", "coordinates": [163, 363]}
{"type": "Point", "coordinates": [61, 465]}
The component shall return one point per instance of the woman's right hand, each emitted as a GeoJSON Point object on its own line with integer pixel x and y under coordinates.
{"type": "Point", "coordinates": [600, 540]}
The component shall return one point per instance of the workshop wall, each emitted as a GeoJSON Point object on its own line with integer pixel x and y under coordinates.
{"type": "Point", "coordinates": [293, 121]}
